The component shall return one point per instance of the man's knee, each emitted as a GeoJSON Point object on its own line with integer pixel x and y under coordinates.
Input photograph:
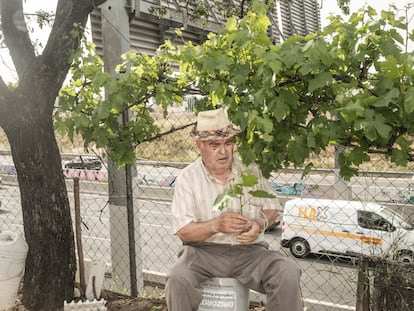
{"type": "Point", "coordinates": [180, 293]}
{"type": "Point", "coordinates": [175, 279]}
{"type": "Point", "coordinates": [285, 269]}
{"type": "Point", "coordinates": [180, 279]}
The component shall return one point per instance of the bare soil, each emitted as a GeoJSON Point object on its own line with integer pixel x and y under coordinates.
{"type": "Point", "coordinates": [118, 302]}
{"type": "Point", "coordinates": [115, 302]}
{"type": "Point", "coordinates": [137, 304]}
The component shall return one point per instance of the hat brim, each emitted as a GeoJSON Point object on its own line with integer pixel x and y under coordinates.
{"type": "Point", "coordinates": [224, 133]}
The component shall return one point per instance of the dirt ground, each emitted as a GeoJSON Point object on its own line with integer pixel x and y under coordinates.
{"type": "Point", "coordinates": [146, 304]}
{"type": "Point", "coordinates": [116, 302]}
{"type": "Point", "coordinates": [119, 303]}
{"type": "Point", "coordinates": [137, 304]}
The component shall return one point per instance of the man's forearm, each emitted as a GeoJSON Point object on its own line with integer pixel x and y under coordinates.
{"type": "Point", "coordinates": [197, 232]}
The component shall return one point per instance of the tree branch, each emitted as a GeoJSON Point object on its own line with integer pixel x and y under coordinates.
{"type": "Point", "coordinates": [170, 131]}
{"type": "Point", "coordinates": [410, 156]}
{"type": "Point", "coordinates": [16, 35]}
{"type": "Point", "coordinates": [52, 66]}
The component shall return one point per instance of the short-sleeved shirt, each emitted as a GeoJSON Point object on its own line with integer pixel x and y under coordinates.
{"type": "Point", "coordinates": [196, 190]}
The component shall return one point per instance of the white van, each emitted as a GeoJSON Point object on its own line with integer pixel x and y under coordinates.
{"type": "Point", "coordinates": [345, 227]}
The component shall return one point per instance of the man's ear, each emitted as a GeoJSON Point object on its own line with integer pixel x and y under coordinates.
{"type": "Point", "coordinates": [198, 144]}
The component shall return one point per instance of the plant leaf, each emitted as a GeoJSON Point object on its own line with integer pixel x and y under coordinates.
{"type": "Point", "coordinates": [262, 194]}
{"type": "Point", "coordinates": [249, 180]}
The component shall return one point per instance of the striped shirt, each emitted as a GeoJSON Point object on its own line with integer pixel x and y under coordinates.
{"type": "Point", "coordinates": [196, 190]}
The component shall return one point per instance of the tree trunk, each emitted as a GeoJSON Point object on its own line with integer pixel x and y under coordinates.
{"type": "Point", "coordinates": [50, 263]}
{"type": "Point", "coordinates": [26, 112]}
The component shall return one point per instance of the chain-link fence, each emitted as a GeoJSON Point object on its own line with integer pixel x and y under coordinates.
{"type": "Point", "coordinates": [322, 236]}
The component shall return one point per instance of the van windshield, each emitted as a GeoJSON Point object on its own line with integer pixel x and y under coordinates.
{"type": "Point", "coordinates": [395, 218]}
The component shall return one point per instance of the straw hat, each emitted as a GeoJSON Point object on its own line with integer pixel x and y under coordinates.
{"type": "Point", "coordinates": [212, 125]}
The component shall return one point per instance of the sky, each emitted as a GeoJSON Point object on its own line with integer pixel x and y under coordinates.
{"type": "Point", "coordinates": [330, 6]}
{"type": "Point", "coordinates": [327, 7]}
{"type": "Point", "coordinates": [29, 7]}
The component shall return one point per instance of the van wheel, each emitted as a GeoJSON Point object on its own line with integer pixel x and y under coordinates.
{"type": "Point", "coordinates": [299, 247]}
{"type": "Point", "coordinates": [406, 256]}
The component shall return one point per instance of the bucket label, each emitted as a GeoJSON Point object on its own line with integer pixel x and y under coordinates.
{"type": "Point", "coordinates": [218, 300]}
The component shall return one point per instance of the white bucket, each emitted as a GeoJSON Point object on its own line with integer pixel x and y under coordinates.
{"type": "Point", "coordinates": [94, 277]}
{"type": "Point", "coordinates": [224, 294]}
{"type": "Point", "coordinates": [8, 292]}
{"type": "Point", "coordinates": [13, 251]}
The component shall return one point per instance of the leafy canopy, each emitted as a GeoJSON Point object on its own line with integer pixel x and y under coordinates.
{"type": "Point", "coordinates": [350, 84]}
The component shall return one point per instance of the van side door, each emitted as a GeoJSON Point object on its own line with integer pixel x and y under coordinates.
{"type": "Point", "coordinates": [376, 233]}
{"type": "Point", "coordinates": [340, 225]}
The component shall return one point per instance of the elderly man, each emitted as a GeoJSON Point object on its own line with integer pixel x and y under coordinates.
{"type": "Point", "coordinates": [225, 243]}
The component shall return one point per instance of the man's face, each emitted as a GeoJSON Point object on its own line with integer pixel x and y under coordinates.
{"type": "Point", "coordinates": [217, 154]}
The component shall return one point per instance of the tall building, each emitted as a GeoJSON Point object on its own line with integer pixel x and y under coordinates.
{"type": "Point", "coordinates": [153, 21]}
{"type": "Point", "coordinates": [299, 17]}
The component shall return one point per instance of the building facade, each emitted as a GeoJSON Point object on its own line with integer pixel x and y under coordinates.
{"type": "Point", "coordinates": [153, 21]}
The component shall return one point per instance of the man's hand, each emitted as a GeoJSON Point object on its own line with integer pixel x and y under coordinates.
{"type": "Point", "coordinates": [251, 235]}
{"type": "Point", "coordinates": [232, 222]}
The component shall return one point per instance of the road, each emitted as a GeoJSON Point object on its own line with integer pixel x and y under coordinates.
{"type": "Point", "coordinates": [327, 284]}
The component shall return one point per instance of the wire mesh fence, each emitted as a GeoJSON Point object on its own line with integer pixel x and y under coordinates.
{"type": "Point", "coordinates": [324, 226]}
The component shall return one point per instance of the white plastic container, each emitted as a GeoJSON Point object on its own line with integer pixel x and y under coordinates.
{"type": "Point", "coordinates": [13, 252]}
{"type": "Point", "coordinates": [94, 277]}
{"type": "Point", "coordinates": [224, 294]}
{"type": "Point", "coordinates": [88, 305]}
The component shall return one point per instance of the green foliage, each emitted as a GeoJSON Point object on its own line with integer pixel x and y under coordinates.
{"type": "Point", "coordinates": [235, 190]}
{"type": "Point", "coordinates": [350, 84]}
{"type": "Point", "coordinates": [44, 18]}
{"type": "Point", "coordinates": [344, 5]}
{"type": "Point", "coordinates": [111, 111]}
